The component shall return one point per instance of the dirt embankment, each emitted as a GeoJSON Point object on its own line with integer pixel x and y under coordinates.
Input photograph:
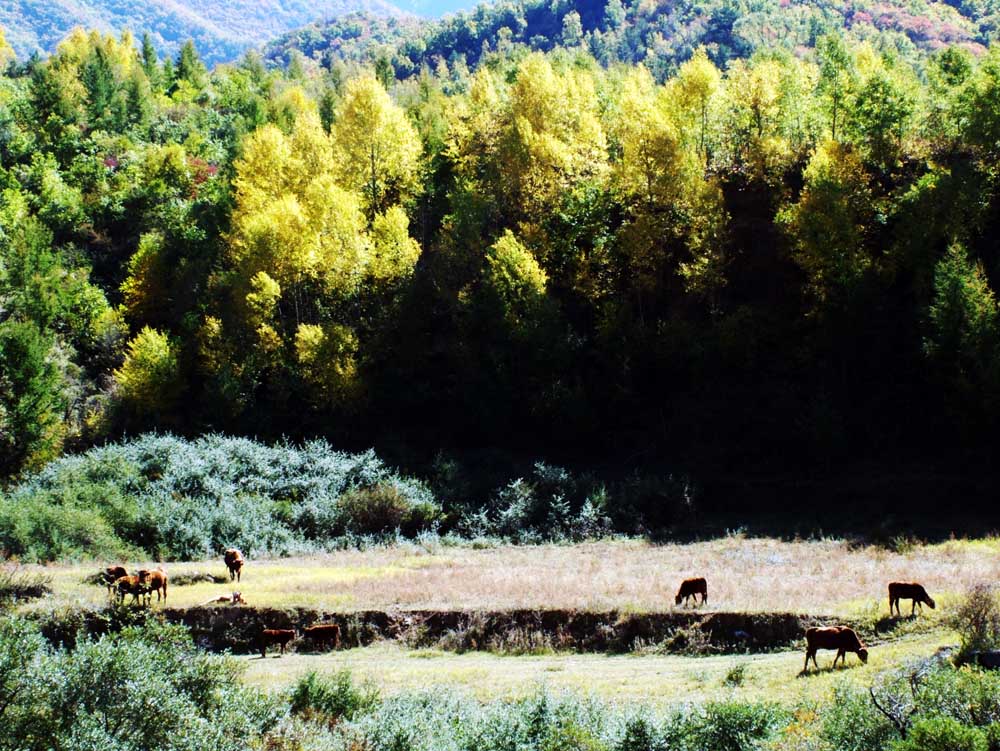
{"type": "Point", "coordinates": [236, 629]}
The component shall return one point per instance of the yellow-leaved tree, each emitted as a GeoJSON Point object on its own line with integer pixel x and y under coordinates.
{"type": "Point", "coordinates": [376, 150]}
{"type": "Point", "coordinates": [149, 378]}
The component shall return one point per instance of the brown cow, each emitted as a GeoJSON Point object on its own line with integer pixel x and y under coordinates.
{"type": "Point", "coordinates": [908, 591]}
{"type": "Point", "coordinates": [841, 638]}
{"type": "Point", "coordinates": [129, 585]}
{"type": "Point", "coordinates": [323, 634]}
{"type": "Point", "coordinates": [153, 581]}
{"type": "Point", "coordinates": [692, 588]}
{"type": "Point", "coordinates": [234, 562]}
{"type": "Point", "coordinates": [111, 575]}
{"type": "Point", "coordinates": [236, 598]}
{"type": "Point", "coordinates": [271, 636]}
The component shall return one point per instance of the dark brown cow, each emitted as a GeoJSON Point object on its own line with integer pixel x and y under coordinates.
{"type": "Point", "coordinates": [841, 638]}
{"type": "Point", "coordinates": [153, 581]}
{"type": "Point", "coordinates": [323, 634]}
{"type": "Point", "coordinates": [111, 575]}
{"type": "Point", "coordinates": [272, 636]}
{"type": "Point", "coordinates": [908, 591]}
{"type": "Point", "coordinates": [692, 588]}
{"type": "Point", "coordinates": [234, 562]}
{"type": "Point", "coordinates": [129, 585]}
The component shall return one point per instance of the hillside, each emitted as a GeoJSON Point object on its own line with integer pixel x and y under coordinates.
{"type": "Point", "coordinates": [221, 30]}
{"type": "Point", "coordinates": [659, 34]}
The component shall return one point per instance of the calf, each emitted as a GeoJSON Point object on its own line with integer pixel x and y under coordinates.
{"type": "Point", "coordinates": [111, 575]}
{"type": "Point", "coordinates": [236, 598]}
{"type": "Point", "coordinates": [692, 588]}
{"type": "Point", "coordinates": [129, 585]}
{"type": "Point", "coordinates": [908, 591]}
{"type": "Point", "coordinates": [234, 562]}
{"type": "Point", "coordinates": [323, 634]}
{"type": "Point", "coordinates": [271, 636]}
{"type": "Point", "coordinates": [841, 638]}
{"type": "Point", "coordinates": [153, 581]}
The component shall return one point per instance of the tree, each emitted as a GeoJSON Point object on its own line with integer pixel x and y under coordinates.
{"type": "Point", "coordinates": [376, 150]}
{"type": "Point", "coordinates": [828, 224]}
{"type": "Point", "coordinates": [962, 318]}
{"type": "Point", "coordinates": [6, 51]}
{"type": "Point", "coordinates": [190, 69]}
{"type": "Point", "coordinates": [33, 401]}
{"type": "Point", "coordinates": [836, 77]}
{"type": "Point", "coordinates": [150, 60]}
{"type": "Point", "coordinates": [879, 116]}
{"type": "Point", "coordinates": [698, 80]}
{"type": "Point", "coordinates": [149, 378]}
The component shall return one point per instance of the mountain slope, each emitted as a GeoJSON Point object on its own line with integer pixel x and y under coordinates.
{"type": "Point", "coordinates": [659, 33]}
{"type": "Point", "coordinates": [222, 29]}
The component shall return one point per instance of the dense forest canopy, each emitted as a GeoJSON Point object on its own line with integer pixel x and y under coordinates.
{"type": "Point", "coordinates": [662, 35]}
{"type": "Point", "coordinates": [784, 261]}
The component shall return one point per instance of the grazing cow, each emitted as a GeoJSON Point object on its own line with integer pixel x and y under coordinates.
{"type": "Point", "coordinates": [234, 562]}
{"type": "Point", "coordinates": [271, 636]}
{"type": "Point", "coordinates": [236, 598]}
{"type": "Point", "coordinates": [111, 575]}
{"type": "Point", "coordinates": [692, 588]}
{"type": "Point", "coordinates": [323, 634]}
{"type": "Point", "coordinates": [154, 581]}
{"type": "Point", "coordinates": [908, 591]}
{"type": "Point", "coordinates": [129, 585]}
{"type": "Point", "coordinates": [841, 638]}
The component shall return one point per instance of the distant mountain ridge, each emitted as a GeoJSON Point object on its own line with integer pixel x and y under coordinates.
{"type": "Point", "coordinates": [221, 29]}
{"type": "Point", "coordinates": [658, 33]}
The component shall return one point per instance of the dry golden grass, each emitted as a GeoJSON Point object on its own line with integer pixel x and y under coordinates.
{"type": "Point", "coordinates": [654, 680]}
{"type": "Point", "coordinates": [744, 574]}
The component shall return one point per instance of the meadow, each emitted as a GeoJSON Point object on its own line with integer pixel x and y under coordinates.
{"type": "Point", "coordinates": [745, 574]}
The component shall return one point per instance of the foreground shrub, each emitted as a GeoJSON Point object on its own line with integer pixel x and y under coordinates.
{"type": "Point", "coordinates": [977, 621]}
{"type": "Point", "coordinates": [144, 688]}
{"type": "Point", "coordinates": [332, 698]}
{"type": "Point", "coordinates": [942, 734]}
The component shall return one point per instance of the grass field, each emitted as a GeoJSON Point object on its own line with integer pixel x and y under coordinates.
{"type": "Point", "coordinates": [744, 574]}
{"type": "Point", "coordinates": [651, 679]}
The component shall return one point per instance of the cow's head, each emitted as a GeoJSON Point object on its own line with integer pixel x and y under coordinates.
{"type": "Point", "coordinates": [863, 654]}
{"type": "Point", "coordinates": [677, 600]}
{"type": "Point", "coordinates": [930, 602]}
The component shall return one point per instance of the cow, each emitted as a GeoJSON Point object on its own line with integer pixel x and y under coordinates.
{"type": "Point", "coordinates": [111, 575]}
{"type": "Point", "coordinates": [234, 562]}
{"type": "Point", "coordinates": [323, 634]}
{"type": "Point", "coordinates": [908, 591]}
{"type": "Point", "coordinates": [236, 598]}
{"type": "Point", "coordinates": [129, 585]}
{"type": "Point", "coordinates": [692, 588]}
{"type": "Point", "coordinates": [271, 636]}
{"type": "Point", "coordinates": [841, 638]}
{"type": "Point", "coordinates": [153, 581]}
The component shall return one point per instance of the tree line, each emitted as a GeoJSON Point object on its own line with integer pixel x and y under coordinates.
{"type": "Point", "coordinates": [787, 260]}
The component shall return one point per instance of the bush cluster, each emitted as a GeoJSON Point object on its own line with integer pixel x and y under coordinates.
{"type": "Point", "coordinates": [165, 497]}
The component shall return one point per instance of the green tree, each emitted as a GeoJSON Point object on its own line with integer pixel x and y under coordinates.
{"type": "Point", "coordinates": [149, 378]}
{"type": "Point", "coordinates": [33, 401]}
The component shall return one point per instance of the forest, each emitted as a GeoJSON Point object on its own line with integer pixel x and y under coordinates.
{"type": "Point", "coordinates": [734, 264]}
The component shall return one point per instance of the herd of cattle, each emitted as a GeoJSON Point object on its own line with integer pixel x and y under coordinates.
{"type": "Point", "coordinates": [841, 638]}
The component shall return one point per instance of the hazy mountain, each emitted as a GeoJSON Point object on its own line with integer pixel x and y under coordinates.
{"type": "Point", "coordinates": [221, 29]}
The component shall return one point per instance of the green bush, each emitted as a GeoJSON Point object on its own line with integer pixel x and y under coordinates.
{"type": "Point", "coordinates": [977, 621]}
{"type": "Point", "coordinates": [384, 508]}
{"type": "Point", "coordinates": [334, 698]}
{"type": "Point", "coordinates": [736, 726]}
{"type": "Point", "coordinates": [942, 734]}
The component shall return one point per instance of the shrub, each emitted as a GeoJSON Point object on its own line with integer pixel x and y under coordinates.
{"type": "Point", "coordinates": [941, 734]}
{"type": "Point", "coordinates": [383, 508]}
{"type": "Point", "coordinates": [735, 726]}
{"type": "Point", "coordinates": [977, 621]}
{"type": "Point", "coordinates": [334, 698]}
